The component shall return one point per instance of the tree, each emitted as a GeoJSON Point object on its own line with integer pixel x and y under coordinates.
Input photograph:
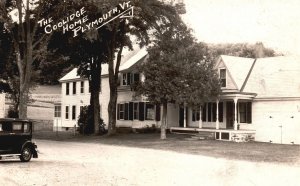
{"type": "Point", "coordinates": [150, 16]}
{"type": "Point", "coordinates": [241, 50]}
{"type": "Point", "coordinates": [20, 20]}
{"type": "Point", "coordinates": [180, 71]}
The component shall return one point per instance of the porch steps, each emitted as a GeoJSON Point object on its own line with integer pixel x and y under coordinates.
{"type": "Point", "coordinates": [196, 135]}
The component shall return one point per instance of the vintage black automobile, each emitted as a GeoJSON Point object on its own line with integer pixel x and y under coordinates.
{"type": "Point", "coordinates": [15, 139]}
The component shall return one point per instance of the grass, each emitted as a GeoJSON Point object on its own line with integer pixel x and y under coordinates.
{"type": "Point", "coordinates": [251, 151]}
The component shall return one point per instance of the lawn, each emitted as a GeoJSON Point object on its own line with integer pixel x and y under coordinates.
{"type": "Point", "coordinates": [251, 151]}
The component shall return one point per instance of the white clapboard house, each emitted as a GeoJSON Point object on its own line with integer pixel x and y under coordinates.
{"type": "Point", "coordinates": [260, 99]}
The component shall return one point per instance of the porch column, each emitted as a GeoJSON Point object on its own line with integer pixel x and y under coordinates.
{"type": "Point", "coordinates": [200, 119]}
{"type": "Point", "coordinates": [235, 113]}
{"type": "Point", "coordinates": [184, 120]}
{"type": "Point", "coordinates": [217, 116]}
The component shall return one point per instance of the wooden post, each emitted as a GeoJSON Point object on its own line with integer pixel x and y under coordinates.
{"type": "Point", "coordinates": [184, 116]}
{"type": "Point", "coordinates": [217, 115]}
{"type": "Point", "coordinates": [200, 119]}
{"type": "Point", "coordinates": [235, 113]}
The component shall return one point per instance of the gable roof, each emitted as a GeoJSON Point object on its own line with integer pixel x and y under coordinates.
{"type": "Point", "coordinates": [129, 59]}
{"type": "Point", "coordinates": [238, 68]}
{"type": "Point", "coordinates": [275, 77]}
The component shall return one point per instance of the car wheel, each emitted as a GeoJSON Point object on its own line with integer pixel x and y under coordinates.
{"type": "Point", "coordinates": [26, 154]}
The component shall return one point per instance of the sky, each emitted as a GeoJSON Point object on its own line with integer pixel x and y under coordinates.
{"type": "Point", "coordinates": [276, 23]}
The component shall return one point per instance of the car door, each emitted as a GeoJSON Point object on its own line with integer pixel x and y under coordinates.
{"type": "Point", "coordinates": [5, 137]}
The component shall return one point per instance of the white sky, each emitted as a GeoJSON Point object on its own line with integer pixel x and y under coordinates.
{"type": "Point", "coordinates": [276, 23]}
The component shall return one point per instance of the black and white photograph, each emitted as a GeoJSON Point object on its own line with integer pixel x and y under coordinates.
{"type": "Point", "coordinates": [150, 92]}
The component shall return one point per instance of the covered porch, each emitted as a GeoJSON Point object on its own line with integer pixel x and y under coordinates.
{"type": "Point", "coordinates": [228, 118]}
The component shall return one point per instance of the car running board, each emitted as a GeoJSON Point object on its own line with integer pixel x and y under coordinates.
{"type": "Point", "coordinates": [9, 156]}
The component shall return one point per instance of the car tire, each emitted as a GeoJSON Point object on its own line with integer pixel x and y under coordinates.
{"type": "Point", "coordinates": [26, 154]}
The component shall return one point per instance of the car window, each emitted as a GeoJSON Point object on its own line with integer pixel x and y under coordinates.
{"type": "Point", "coordinates": [5, 127]}
{"type": "Point", "coordinates": [17, 127]}
{"type": "Point", "coordinates": [26, 128]}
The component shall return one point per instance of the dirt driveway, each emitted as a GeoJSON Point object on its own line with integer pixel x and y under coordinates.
{"type": "Point", "coordinates": [76, 163]}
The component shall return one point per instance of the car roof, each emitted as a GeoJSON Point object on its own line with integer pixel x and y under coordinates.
{"type": "Point", "coordinates": [13, 119]}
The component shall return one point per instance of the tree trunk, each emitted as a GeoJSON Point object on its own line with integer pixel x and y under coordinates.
{"type": "Point", "coordinates": [112, 109]}
{"type": "Point", "coordinates": [95, 84]}
{"type": "Point", "coordinates": [163, 126]}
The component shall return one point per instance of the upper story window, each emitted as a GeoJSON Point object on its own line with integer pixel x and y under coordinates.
{"type": "Point", "coordinates": [82, 87]}
{"type": "Point", "coordinates": [130, 78]}
{"type": "Point", "coordinates": [74, 87]}
{"type": "Point", "coordinates": [223, 77]}
{"type": "Point", "coordinates": [67, 88]}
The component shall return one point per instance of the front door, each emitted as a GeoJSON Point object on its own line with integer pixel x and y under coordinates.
{"type": "Point", "coordinates": [229, 114]}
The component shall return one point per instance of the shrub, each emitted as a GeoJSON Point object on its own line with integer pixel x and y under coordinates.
{"type": "Point", "coordinates": [86, 123]}
{"type": "Point", "coordinates": [12, 113]}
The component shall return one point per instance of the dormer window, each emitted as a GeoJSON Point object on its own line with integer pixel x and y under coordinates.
{"type": "Point", "coordinates": [223, 77]}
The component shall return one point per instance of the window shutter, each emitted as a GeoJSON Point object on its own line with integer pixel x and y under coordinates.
{"type": "Point", "coordinates": [126, 111]}
{"type": "Point", "coordinates": [194, 115]}
{"type": "Point", "coordinates": [157, 114]}
{"type": "Point", "coordinates": [136, 77]}
{"type": "Point", "coordinates": [141, 111]}
{"type": "Point", "coordinates": [129, 79]}
{"type": "Point", "coordinates": [249, 112]}
{"type": "Point", "coordinates": [118, 112]}
{"type": "Point", "coordinates": [221, 111]}
{"type": "Point", "coordinates": [204, 112]}
{"type": "Point", "coordinates": [130, 111]}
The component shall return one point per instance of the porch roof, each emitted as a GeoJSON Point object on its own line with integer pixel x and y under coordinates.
{"type": "Point", "coordinates": [238, 95]}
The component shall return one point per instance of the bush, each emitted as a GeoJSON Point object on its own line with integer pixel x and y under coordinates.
{"type": "Point", "coordinates": [12, 113]}
{"type": "Point", "coordinates": [86, 123]}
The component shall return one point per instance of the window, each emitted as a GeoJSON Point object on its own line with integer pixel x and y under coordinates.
{"type": "Point", "coordinates": [26, 127]}
{"type": "Point", "coordinates": [138, 111]}
{"type": "Point", "coordinates": [135, 111]}
{"type": "Point", "coordinates": [73, 112]}
{"type": "Point", "coordinates": [121, 111]}
{"type": "Point", "coordinates": [195, 115]}
{"type": "Point", "coordinates": [67, 112]}
{"type": "Point", "coordinates": [17, 127]}
{"type": "Point", "coordinates": [209, 112]}
{"type": "Point", "coordinates": [245, 111]}
{"type": "Point", "coordinates": [57, 111]}
{"type": "Point", "coordinates": [223, 77]}
{"type": "Point", "coordinates": [74, 87]}
{"type": "Point", "coordinates": [82, 87]}
{"type": "Point", "coordinates": [149, 112]}
{"type": "Point", "coordinates": [130, 78]}
{"type": "Point", "coordinates": [67, 88]}
{"type": "Point", "coordinates": [126, 79]}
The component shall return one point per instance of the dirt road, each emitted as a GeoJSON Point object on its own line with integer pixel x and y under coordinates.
{"type": "Point", "coordinates": [74, 163]}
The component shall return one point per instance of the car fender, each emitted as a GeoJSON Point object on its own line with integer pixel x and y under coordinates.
{"type": "Point", "coordinates": [32, 146]}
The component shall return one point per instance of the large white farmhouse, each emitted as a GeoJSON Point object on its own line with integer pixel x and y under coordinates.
{"type": "Point", "coordinates": [260, 98]}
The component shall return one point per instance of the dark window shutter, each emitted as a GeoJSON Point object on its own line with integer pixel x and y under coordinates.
{"type": "Point", "coordinates": [214, 111]}
{"type": "Point", "coordinates": [130, 111]}
{"type": "Point", "coordinates": [118, 112]}
{"type": "Point", "coordinates": [204, 112]}
{"type": "Point", "coordinates": [194, 115]}
{"type": "Point", "coordinates": [142, 111]}
{"type": "Point", "coordinates": [157, 114]}
{"type": "Point", "coordinates": [221, 111]}
{"type": "Point", "coordinates": [126, 111]}
{"type": "Point", "coordinates": [249, 112]}
{"type": "Point", "coordinates": [129, 79]}
{"type": "Point", "coordinates": [136, 77]}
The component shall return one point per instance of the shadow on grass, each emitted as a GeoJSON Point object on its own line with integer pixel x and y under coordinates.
{"type": "Point", "coordinates": [251, 151]}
